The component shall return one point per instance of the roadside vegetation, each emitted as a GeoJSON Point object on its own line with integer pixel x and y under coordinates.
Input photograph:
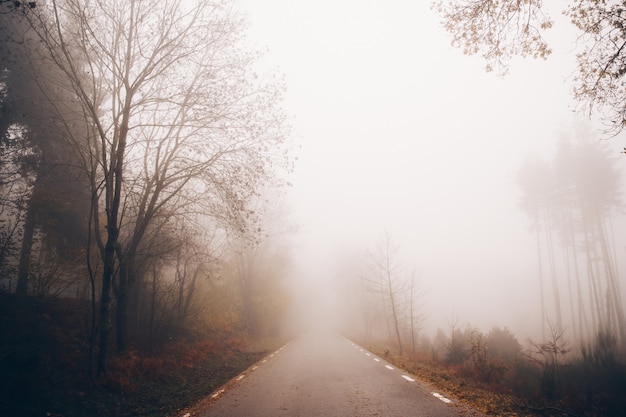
{"type": "Point", "coordinates": [44, 357]}
{"type": "Point", "coordinates": [577, 364]}
{"type": "Point", "coordinates": [498, 375]}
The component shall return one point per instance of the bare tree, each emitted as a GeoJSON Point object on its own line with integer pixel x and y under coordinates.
{"type": "Point", "coordinates": [416, 315]}
{"type": "Point", "coordinates": [549, 354]}
{"type": "Point", "coordinates": [177, 120]}
{"type": "Point", "coordinates": [388, 282]}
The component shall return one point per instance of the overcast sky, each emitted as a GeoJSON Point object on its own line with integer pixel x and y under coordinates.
{"type": "Point", "coordinates": [401, 132]}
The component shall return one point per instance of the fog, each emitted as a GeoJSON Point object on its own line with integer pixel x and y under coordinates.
{"type": "Point", "coordinates": [401, 134]}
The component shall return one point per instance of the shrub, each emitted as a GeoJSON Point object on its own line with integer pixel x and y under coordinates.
{"type": "Point", "coordinates": [502, 345]}
{"type": "Point", "coordinates": [604, 375]}
{"type": "Point", "coordinates": [484, 369]}
{"type": "Point", "coordinates": [459, 347]}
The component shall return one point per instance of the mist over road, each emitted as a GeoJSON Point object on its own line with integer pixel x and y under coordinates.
{"type": "Point", "coordinates": [324, 374]}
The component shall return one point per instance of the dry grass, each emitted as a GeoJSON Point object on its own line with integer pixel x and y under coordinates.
{"type": "Point", "coordinates": [486, 399]}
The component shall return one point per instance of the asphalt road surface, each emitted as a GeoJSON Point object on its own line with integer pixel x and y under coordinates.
{"type": "Point", "coordinates": [324, 374]}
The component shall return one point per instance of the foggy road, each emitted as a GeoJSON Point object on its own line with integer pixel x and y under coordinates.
{"type": "Point", "coordinates": [324, 374]}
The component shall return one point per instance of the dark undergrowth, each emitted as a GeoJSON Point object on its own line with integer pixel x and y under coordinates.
{"type": "Point", "coordinates": [44, 366]}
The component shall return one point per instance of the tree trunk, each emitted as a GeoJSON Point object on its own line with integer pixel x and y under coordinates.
{"type": "Point", "coordinates": [614, 306]}
{"type": "Point", "coordinates": [555, 287]}
{"type": "Point", "coordinates": [393, 301]}
{"type": "Point", "coordinates": [121, 311]}
{"type": "Point", "coordinates": [25, 252]}
{"type": "Point", "coordinates": [127, 299]}
{"type": "Point", "coordinates": [105, 304]}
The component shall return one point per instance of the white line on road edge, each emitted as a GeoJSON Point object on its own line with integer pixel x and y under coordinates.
{"type": "Point", "coordinates": [255, 367]}
{"type": "Point", "coordinates": [217, 394]}
{"type": "Point", "coordinates": [388, 366]}
{"type": "Point", "coordinates": [367, 354]}
{"type": "Point", "coordinates": [240, 377]}
{"type": "Point", "coordinates": [408, 378]}
{"type": "Point", "coordinates": [441, 397]}
{"type": "Point", "coordinates": [377, 360]}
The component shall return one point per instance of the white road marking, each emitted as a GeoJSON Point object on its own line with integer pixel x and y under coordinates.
{"type": "Point", "coordinates": [388, 366]}
{"type": "Point", "coordinates": [217, 394]}
{"type": "Point", "coordinates": [255, 367]}
{"type": "Point", "coordinates": [240, 377]}
{"type": "Point", "coordinates": [367, 354]}
{"type": "Point", "coordinates": [264, 360]}
{"type": "Point", "coordinates": [408, 378]}
{"type": "Point", "coordinates": [441, 397]}
{"type": "Point", "coordinates": [377, 360]}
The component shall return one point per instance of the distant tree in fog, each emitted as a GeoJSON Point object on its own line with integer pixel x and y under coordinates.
{"type": "Point", "coordinates": [534, 179]}
{"type": "Point", "coordinates": [502, 344]}
{"type": "Point", "coordinates": [387, 280]}
{"type": "Point", "coordinates": [575, 197]}
{"type": "Point", "coordinates": [594, 191]}
{"type": "Point", "coordinates": [415, 313]}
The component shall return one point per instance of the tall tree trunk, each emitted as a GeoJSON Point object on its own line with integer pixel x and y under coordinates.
{"type": "Point", "coordinates": [614, 304]}
{"type": "Point", "coordinates": [581, 321]}
{"type": "Point", "coordinates": [570, 292]}
{"type": "Point", "coordinates": [594, 273]}
{"type": "Point", "coordinates": [106, 307]}
{"type": "Point", "coordinates": [121, 307]}
{"type": "Point", "coordinates": [542, 298]}
{"type": "Point", "coordinates": [26, 249]}
{"type": "Point", "coordinates": [127, 297]}
{"type": "Point", "coordinates": [190, 293]}
{"type": "Point", "coordinates": [555, 287]}
{"type": "Point", "coordinates": [392, 300]}
{"type": "Point", "coordinates": [153, 297]}
{"type": "Point", "coordinates": [113, 191]}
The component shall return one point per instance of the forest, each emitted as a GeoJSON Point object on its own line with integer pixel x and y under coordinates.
{"type": "Point", "coordinates": [147, 255]}
{"type": "Point", "coordinates": [574, 364]}
{"type": "Point", "coordinates": [142, 157]}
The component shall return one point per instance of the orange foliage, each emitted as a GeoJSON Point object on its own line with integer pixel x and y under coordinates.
{"type": "Point", "coordinates": [126, 367]}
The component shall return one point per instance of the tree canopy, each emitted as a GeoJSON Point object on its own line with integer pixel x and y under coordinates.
{"type": "Point", "coordinates": [501, 29]}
